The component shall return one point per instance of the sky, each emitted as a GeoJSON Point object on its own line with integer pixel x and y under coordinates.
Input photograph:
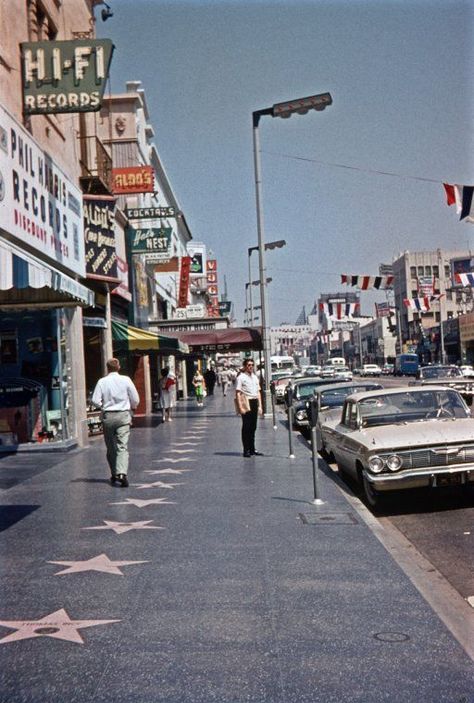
{"type": "Point", "coordinates": [348, 188]}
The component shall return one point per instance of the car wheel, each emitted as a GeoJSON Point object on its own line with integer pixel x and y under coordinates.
{"type": "Point", "coordinates": [373, 497]}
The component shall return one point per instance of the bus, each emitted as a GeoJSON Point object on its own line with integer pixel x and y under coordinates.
{"type": "Point", "coordinates": [335, 361]}
{"type": "Point", "coordinates": [282, 363]}
{"type": "Point", "coordinates": [406, 365]}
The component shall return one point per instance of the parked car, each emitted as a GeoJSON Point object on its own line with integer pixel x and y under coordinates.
{"type": "Point", "coordinates": [327, 400]}
{"type": "Point", "coordinates": [388, 369]}
{"type": "Point", "coordinates": [446, 375]}
{"type": "Point", "coordinates": [328, 371]}
{"type": "Point", "coordinates": [403, 438]}
{"type": "Point", "coordinates": [279, 384]}
{"type": "Point", "coordinates": [467, 370]}
{"type": "Point", "coordinates": [370, 370]}
{"type": "Point", "coordinates": [313, 370]}
{"type": "Point", "coordinates": [342, 373]}
{"type": "Point", "coordinates": [302, 391]}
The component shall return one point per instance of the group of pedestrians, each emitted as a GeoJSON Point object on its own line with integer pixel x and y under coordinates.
{"type": "Point", "coordinates": [117, 397]}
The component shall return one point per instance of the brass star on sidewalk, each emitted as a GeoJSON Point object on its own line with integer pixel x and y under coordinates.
{"type": "Point", "coordinates": [121, 527]}
{"type": "Point", "coordinates": [144, 503]}
{"type": "Point", "coordinates": [173, 461]}
{"type": "Point", "coordinates": [157, 484]}
{"type": "Point", "coordinates": [98, 563]}
{"type": "Point", "coordinates": [58, 625]}
{"type": "Point", "coordinates": [168, 471]}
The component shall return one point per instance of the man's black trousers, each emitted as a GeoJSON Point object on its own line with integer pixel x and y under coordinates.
{"type": "Point", "coordinates": [249, 425]}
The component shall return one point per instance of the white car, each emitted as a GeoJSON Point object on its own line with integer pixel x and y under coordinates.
{"type": "Point", "coordinates": [370, 370]}
{"type": "Point", "coordinates": [467, 370]}
{"type": "Point", "coordinates": [400, 438]}
{"type": "Point", "coordinates": [342, 373]}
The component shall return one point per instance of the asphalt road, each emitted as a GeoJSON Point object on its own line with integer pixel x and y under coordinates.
{"type": "Point", "coordinates": [439, 523]}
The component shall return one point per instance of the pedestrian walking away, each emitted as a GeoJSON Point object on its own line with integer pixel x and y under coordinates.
{"type": "Point", "coordinates": [198, 383]}
{"type": "Point", "coordinates": [167, 387]}
{"type": "Point", "coordinates": [117, 396]}
{"type": "Point", "coordinates": [224, 380]}
{"type": "Point", "coordinates": [210, 378]}
{"type": "Point", "coordinates": [249, 404]}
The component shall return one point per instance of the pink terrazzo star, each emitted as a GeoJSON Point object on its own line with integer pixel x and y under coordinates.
{"type": "Point", "coordinates": [144, 503]}
{"type": "Point", "coordinates": [98, 563]}
{"type": "Point", "coordinates": [57, 625]}
{"type": "Point", "coordinates": [121, 527]}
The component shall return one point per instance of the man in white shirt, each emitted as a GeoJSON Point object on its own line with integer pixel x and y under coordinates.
{"type": "Point", "coordinates": [117, 396]}
{"type": "Point", "coordinates": [248, 396]}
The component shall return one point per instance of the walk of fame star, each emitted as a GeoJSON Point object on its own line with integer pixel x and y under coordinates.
{"type": "Point", "coordinates": [168, 471]}
{"type": "Point", "coordinates": [184, 444]}
{"type": "Point", "coordinates": [156, 484]}
{"type": "Point", "coordinates": [121, 527]}
{"type": "Point", "coordinates": [58, 625]}
{"type": "Point", "coordinates": [173, 461]}
{"type": "Point", "coordinates": [144, 503]}
{"type": "Point", "coordinates": [181, 451]}
{"type": "Point", "coordinates": [98, 563]}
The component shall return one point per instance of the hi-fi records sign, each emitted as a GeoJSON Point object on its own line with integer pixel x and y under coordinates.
{"type": "Point", "coordinates": [64, 76]}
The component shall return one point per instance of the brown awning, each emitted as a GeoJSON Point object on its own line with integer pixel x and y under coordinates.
{"type": "Point", "coordinates": [231, 339]}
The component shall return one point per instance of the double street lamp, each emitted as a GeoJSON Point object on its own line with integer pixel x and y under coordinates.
{"type": "Point", "coordinates": [300, 106]}
{"type": "Point", "coordinates": [269, 245]}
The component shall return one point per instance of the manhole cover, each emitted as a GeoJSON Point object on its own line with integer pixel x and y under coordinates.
{"type": "Point", "coordinates": [328, 519]}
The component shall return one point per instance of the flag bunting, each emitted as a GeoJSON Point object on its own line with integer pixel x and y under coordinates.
{"type": "Point", "coordinates": [420, 304]}
{"type": "Point", "coordinates": [466, 279]}
{"type": "Point", "coordinates": [339, 311]}
{"type": "Point", "coordinates": [462, 198]}
{"type": "Point", "coordinates": [368, 282]}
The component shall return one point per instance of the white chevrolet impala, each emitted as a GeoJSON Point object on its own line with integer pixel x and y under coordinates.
{"type": "Point", "coordinates": [402, 438]}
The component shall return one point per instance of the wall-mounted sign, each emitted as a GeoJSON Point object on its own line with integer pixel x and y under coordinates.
{"type": "Point", "coordinates": [99, 235]}
{"type": "Point", "coordinates": [211, 265]}
{"type": "Point", "coordinates": [213, 290]}
{"type": "Point", "coordinates": [122, 274]}
{"type": "Point", "coordinates": [425, 286]}
{"type": "Point", "coordinates": [149, 213]}
{"type": "Point", "coordinates": [184, 281]}
{"type": "Point", "coordinates": [225, 307]}
{"type": "Point", "coordinates": [190, 312]}
{"type": "Point", "coordinates": [133, 179]}
{"type": "Point", "coordinates": [196, 264]}
{"type": "Point", "coordinates": [169, 266]}
{"type": "Point", "coordinates": [64, 76]}
{"type": "Point", "coordinates": [154, 242]}
{"type": "Point", "coordinates": [39, 205]}
{"type": "Point", "coordinates": [211, 277]}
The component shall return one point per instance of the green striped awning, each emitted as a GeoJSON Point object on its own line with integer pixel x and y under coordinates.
{"type": "Point", "coordinates": [132, 339]}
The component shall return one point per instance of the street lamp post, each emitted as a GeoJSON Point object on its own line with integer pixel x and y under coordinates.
{"type": "Point", "coordinates": [269, 245]}
{"type": "Point", "coordinates": [300, 106]}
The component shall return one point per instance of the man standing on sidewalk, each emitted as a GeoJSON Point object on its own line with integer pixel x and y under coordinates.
{"type": "Point", "coordinates": [250, 404]}
{"type": "Point", "coordinates": [117, 396]}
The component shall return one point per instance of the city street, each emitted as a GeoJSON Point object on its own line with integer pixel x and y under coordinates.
{"type": "Point", "coordinates": [213, 577]}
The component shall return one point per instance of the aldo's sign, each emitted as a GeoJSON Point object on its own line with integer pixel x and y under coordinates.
{"type": "Point", "coordinates": [64, 76]}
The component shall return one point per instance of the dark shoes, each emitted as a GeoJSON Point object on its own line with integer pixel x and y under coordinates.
{"type": "Point", "coordinates": [255, 453]}
{"type": "Point", "coordinates": [123, 480]}
{"type": "Point", "coordinates": [112, 480]}
{"type": "Point", "coordinates": [247, 454]}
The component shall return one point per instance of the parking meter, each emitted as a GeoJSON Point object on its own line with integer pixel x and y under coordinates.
{"type": "Point", "coordinates": [312, 411]}
{"type": "Point", "coordinates": [289, 400]}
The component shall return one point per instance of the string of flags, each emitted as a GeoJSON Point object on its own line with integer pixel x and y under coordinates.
{"type": "Point", "coordinates": [368, 282]}
{"type": "Point", "coordinates": [466, 279]}
{"type": "Point", "coordinates": [420, 304]}
{"type": "Point", "coordinates": [339, 311]}
{"type": "Point", "coordinates": [462, 198]}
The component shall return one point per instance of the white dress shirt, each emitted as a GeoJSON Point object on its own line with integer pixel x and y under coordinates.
{"type": "Point", "coordinates": [115, 392]}
{"type": "Point", "coordinates": [248, 384]}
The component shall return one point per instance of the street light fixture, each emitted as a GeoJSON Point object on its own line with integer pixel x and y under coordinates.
{"type": "Point", "coordinates": [300, 106]}
{"type": "Point", "coordinates": [269, 245]}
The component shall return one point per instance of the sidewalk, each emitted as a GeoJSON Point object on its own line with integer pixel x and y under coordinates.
{"type": "Point", "coordinates": [246, 592]}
